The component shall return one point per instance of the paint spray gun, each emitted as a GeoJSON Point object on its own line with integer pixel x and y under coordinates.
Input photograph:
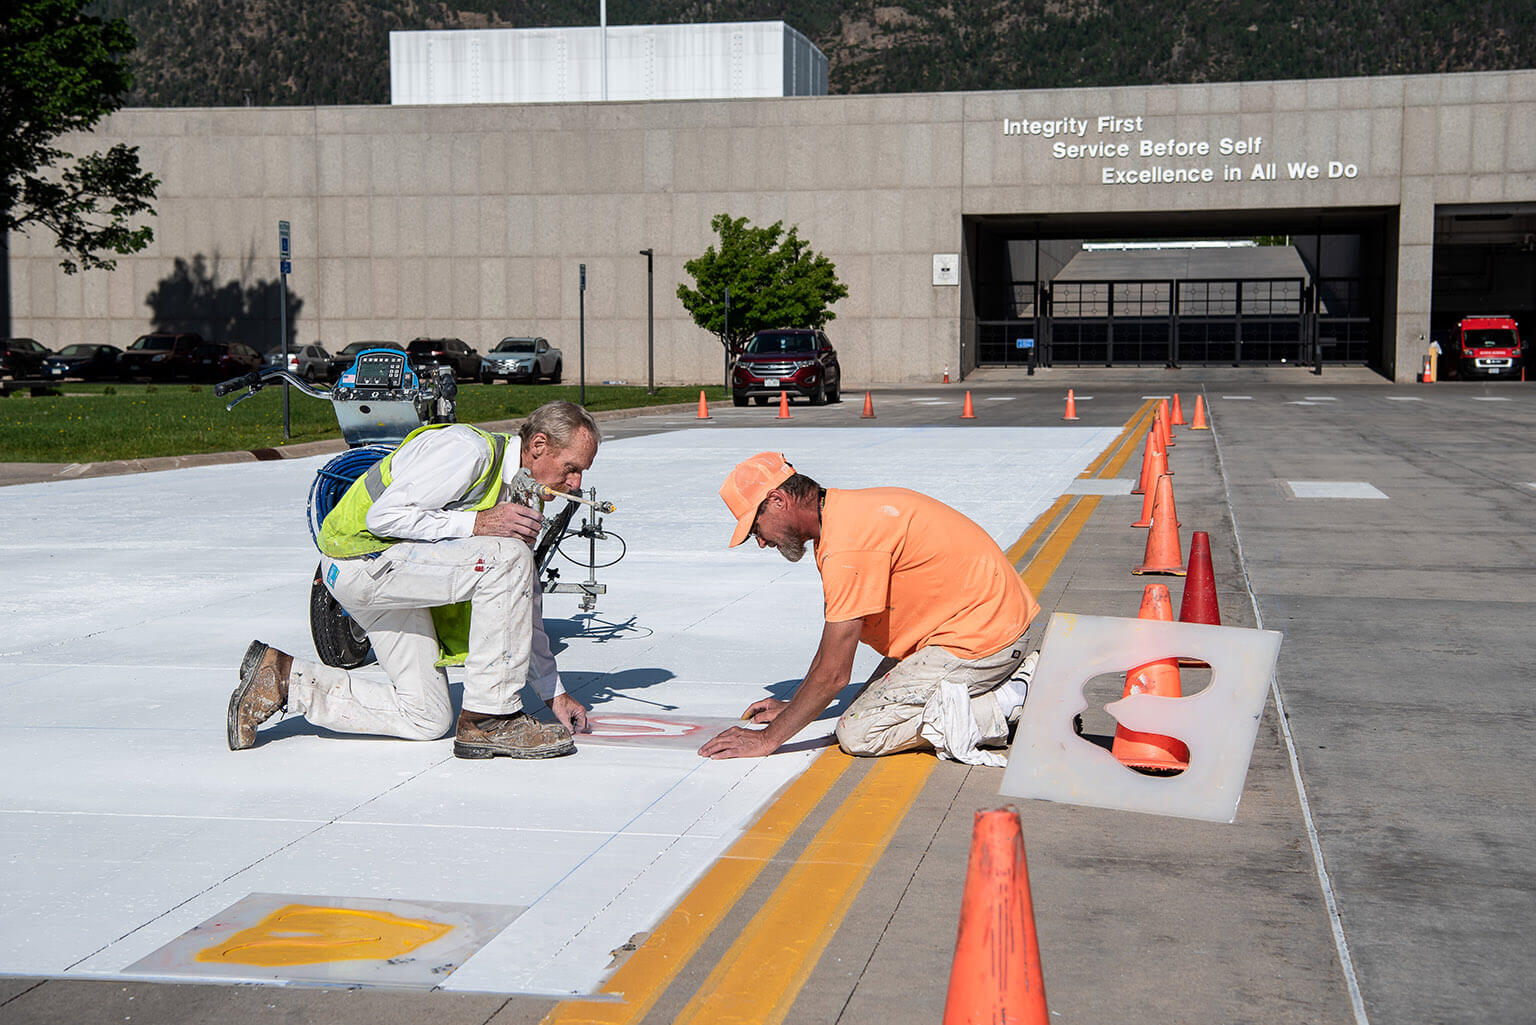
{"type": "Point", "coordinates": [525, 489]}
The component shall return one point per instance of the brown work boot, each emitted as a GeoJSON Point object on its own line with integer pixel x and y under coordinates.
{"type": "Point", "coordinates": [261, 693]}
{"type": "Point", "coordinates": [518, 735]}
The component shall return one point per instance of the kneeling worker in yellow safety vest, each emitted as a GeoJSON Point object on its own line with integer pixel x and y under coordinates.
{"type": "Point", "coordinates": [917, 581]}
{"type": "Point", "coordinates": [431, 525]}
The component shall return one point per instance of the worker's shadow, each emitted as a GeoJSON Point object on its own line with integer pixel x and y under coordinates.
{"type": "Point", "coordinates": [589, 626]}
{"type": "Point", "coordinates": [592, 689]}
{"type": "Point", "coordinates": [595, 689]}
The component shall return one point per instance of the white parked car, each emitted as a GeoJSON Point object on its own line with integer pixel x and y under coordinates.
{"type": "Point", "coordinates": [522, 359]}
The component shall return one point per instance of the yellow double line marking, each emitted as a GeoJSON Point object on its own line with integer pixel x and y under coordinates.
{"type": "Point", "coordinates": [759, 977]}
{"type": "Point", "coordinates": [651, 968]}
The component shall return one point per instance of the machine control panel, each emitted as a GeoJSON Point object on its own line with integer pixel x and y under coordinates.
{"type": "Point", "coordinates": [379, 374]}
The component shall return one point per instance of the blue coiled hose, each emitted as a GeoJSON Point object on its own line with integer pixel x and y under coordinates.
{"type": "Point", "coordinates": [335, 477]}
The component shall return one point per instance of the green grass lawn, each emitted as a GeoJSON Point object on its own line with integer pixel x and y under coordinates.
{"type": "Point", "coordinates": [89, 423]}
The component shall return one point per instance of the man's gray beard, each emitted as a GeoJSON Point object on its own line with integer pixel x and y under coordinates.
{"type": "Point", "coordinates": [794, 551]}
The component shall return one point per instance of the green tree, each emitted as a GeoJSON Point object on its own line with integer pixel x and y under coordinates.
{"type": "Point", "coordinates": [61, 71]}
{"type": "Point", "coordinates": [774, 279]}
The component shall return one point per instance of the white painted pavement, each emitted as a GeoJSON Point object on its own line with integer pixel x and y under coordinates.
{"type": "Point", "coordinates": [125, 821]}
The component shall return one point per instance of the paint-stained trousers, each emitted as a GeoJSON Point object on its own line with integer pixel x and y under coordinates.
{"type": "Point", "coordinates": [906, 709]}
{"type": "Point", "coordinates": [390, 596]}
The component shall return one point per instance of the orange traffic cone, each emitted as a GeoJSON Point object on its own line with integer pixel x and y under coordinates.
{"type": "Point", "coordinates": [1071, 406]}
{"type": "Point", "coordinates": [1149, 456]}
{"type": "Point", "coordinates": [1154, 461]}
{"type": "Point", "coordinates": [783, 407]}
{"type": "Point", "coordinates": [1148, 499]}
{"type": "Point", "coordinates": [1160, 678]}
{"type": "Point", "coordinates": [1162, 423]}
{"type": "Point", "coordinates": [869, 408]}
{"type": "Point", "coordinates": [1146, 477]}
{"type": "Point", "coordinates": [946, 376]}
{"type": "Point", "coordinates": [1199, 424]}
{"type": "Point", "coordinates": [996, 972]}
{"type": "Point", "coordinates": [967, 413]}
{"type": "Point", "coordinates": [703, 407]}
{"type": "Point", "coordinates": [1199, 604]}
{"type": "Point", "coordinates": [1162, 554]}
{"type": "Point", "coordinates": [1149, 502]}
{"type": "Point", "coordinates": [1178, 412]}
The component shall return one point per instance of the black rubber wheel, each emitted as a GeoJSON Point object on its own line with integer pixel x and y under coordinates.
{"type": "Point", "coordinates": [339, 641]}
{"type": "Point", "coordinates": [555, 377]}
{"type": "Point", "coordinates": [835, 394]}
{"type": "Point", "coordinates": [741, 400]}
{"type": "Point", "coordinates": [761, 400]}
{"type": "Point", "coordinates": [819, 396]}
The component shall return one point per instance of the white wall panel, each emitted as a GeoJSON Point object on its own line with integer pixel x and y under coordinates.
{"type": "Point", "coordinates": [565, 65]}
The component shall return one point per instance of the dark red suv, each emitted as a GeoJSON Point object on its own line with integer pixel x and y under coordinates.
{"type": "Point", "coordinates": [796, 361]}
{"type": "Point", "coordinates": [219, 361]}
{"type": "Point", "coordinates": [162, 356]}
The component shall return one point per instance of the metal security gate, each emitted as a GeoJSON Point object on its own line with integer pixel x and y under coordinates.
{"type": "Point", "coordinates": [1169, 322]}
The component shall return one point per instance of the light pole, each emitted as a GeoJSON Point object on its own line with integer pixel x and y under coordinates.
{"type": "Point", "coordinates": [650, 321]}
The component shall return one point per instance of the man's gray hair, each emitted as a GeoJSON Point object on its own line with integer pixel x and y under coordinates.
{"type": "Point", "coordinates": [560, 421]}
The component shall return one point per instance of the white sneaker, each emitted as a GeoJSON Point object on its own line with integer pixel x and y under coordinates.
{"type": "Point", "coordinates": [1011, 692]}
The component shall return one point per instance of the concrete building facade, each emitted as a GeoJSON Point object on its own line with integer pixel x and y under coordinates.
{"type": "Point", "coordinates": [472, 221]}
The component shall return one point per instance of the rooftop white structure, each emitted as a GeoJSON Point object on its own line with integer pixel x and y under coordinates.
{"type": "Point", "coordinates": [624, 62]}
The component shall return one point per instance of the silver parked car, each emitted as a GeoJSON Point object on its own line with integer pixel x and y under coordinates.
{"type": "Point", "coordinates": [311, 362]}
{"type": "Point", "coordinates": [522, 359]}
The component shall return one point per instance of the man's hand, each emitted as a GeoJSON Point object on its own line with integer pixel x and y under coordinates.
{"type": "Point", "coordinates": [739, 743]}
{"type": "Point", "coordinates": [509, 519]}
{"type": "Point", "coordinates": [571, 713]}
{"type": "Point", "coordinates": [765, 710]}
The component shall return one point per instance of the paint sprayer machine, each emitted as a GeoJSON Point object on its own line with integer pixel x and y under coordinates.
{"type": "Point", "coordinates": [379, 400]}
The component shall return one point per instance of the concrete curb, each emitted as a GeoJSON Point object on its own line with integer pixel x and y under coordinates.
{"type": "Point", "coordinates": [39, 473]}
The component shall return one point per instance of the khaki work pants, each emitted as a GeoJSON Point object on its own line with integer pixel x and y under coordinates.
{"type": "Point", "coordinates": [895, 710]}
{"type": "Point", "coordinates": [390, 596]}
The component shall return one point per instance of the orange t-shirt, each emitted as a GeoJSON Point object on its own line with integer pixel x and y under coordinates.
{"type": "Point", "coordinates": [919, 574]}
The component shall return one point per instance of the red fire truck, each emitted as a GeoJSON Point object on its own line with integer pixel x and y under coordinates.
{"type": "Point", "coordinates": [1488, 345]}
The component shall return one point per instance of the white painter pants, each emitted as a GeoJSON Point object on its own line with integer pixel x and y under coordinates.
{"type": "Point", "coordinates": [390, 596]}
{"type": "Point", "coordinates": [933, 699]}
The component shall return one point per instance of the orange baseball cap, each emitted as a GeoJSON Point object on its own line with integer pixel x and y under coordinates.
{"type": "Point", "coordinates": [748, 484]}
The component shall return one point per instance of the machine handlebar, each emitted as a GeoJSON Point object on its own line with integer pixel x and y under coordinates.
{"type": "Point", "coordinates": [259, 379]}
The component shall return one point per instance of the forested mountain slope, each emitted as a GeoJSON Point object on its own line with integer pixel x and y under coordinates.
{"type": "Point", "coordinates": [234, 52]}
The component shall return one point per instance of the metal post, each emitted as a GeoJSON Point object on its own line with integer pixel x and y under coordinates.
{"type": "Point", "coordinates": [650, 321]}
{"type": "Point", "coordinates": [583, 334]}
{"type": "Point", "coordinates": [283, 315]}
{"type": "Point", "coordinates": [284, 255]}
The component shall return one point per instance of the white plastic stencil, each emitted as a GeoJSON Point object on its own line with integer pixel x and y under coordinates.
{"type": "Point", "coordinates": [1051, 762]}
{"type": "Point", "coordinates": [355, 941]}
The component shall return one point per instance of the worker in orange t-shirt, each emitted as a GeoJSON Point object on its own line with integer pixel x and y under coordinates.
{"type": "Point", "coordinates": [917, 581]}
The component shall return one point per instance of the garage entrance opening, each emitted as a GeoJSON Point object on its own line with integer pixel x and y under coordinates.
{"type": "Point", "coordinates": [1485, 263]}
{"type": "Point", "coordinates": [1270, 290]}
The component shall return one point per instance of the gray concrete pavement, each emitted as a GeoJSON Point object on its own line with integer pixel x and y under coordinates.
{"type": "Point", "coordinates": [1404, 675]}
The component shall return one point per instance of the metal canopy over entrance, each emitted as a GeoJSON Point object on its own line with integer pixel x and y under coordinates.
{"type": "Point", "coordinates": [1314, 298]}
